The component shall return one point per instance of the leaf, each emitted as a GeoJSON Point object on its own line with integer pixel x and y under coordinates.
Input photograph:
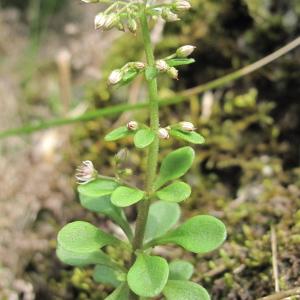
{"type": "Point", "coordinates": [143, 138]}
{"type": "Point", "coordinates": [161, 218]}
{"type": "Point", "coordinates": [175, 165]}
{"type": "Point", "coordinates": [121, 293]}
{"type": "Point", "coordinates": [82, 237]}
{"type": "Point", "coordinates": [148, 275]}
{"type": "Point", "coordinates": [174, 62]}
{"type": "Point", "coordinates": [83, 259]}
{"type": "Point", "coordinates": [200, 234]}
{"type": "Point", "coordinates": [129, 76]}
{"type": "Point", "coordinates": [124, 196]}
{"type": "Point", "coordinates": [175, 192]}
{"type": "Point", "coordinates": [184, 290]}
{"type": "Point", "coordinates": [97, 188]}
{"type": "Point", "coordinates": [180, 270]}
{"type": "Point", "coordinates": [150, 73]}
{"type": "Point", "coordinates": [118, 133]}
{"type": "Point", "coordinates": [107, 275]}
{"type": "Point", "coordinates": [191, 137]}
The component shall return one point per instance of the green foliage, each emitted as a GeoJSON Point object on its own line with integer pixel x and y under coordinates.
{"type": "Point", "coordinates": [143, 138]}
{"type": "Point", "coordinates": [175, 165]}
{"type": "Point", "coordinates": [200, 234]}
{"type": "Point", "coordinates": [148, 275]}
{"type": "Point", "coordinates": [175, 192]}
{"type": "Point", "coordinates": [180, 270]}
{"type": "Point", "coordinates": [83, 237]}
{"type": "Point", "coordinates": [124, 196]}
{"type": "Point", "coordinates": [121, 293]}
{"type": "Point", "coordinates": [191, 137]}
{"type": "Point", "coordinates": [117, 134]}
{"type": "Point", "coordinates": [180, 61]}
{"type": "Point", "coordinates": [107, 275]}
{"type": "Point", "coordinates": [161, 218]}
{"type": "Point", "coordinates": [184, 290]}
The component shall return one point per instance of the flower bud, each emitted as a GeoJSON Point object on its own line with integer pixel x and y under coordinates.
{"type": "Point", "coordinates": [85, 172]}
{"type": "Point", "coordinates": [121, 156]}
{"type": "Point", "coordinates": [138, 65]}
{"type": "Point", "coordinates": [100, 20]}
{"type": "Point", "coordinates": [187, 126]}
{"type": "Point", "coordinates": [169, 16]}
{"type": "Point", "coordinates": [185, 51]}
{"type": "Point", "coordinates": [111, 21]}
{"type": "Point", "coordinates": [132, 125]}
{"type": "Point", "coordinates": [115, 76]}
{"type": "Point", "coordinates": [181, 5]}
{"type": "Point", "coordinates": [132, 25]}
{"type": "Point", "coordinates": [173, 73]}
{"type": "Point", "coordinates": [163, 133]}
{"type": "Point", "coordinates": [161, 65]}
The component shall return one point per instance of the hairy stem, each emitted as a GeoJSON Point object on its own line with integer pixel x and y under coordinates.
{"type": "Point", "coordinates": [152, 155]}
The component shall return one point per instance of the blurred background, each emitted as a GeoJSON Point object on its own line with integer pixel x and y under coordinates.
{"type": "Point", "coordinates": [53, 64]}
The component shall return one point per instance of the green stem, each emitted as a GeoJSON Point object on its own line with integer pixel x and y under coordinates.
{"type": "Point", "coordinates": [152, 155]}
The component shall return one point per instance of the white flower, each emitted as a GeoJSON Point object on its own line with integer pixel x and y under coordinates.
{"type": "Point", "coordinates": [185, 51]}
{"type": "Point", "coordinates": [187, 126]}
{"type": "Point", "coordinates": [132, 125]}
{"type": "Point", "coordinates": [161, 65]}
{"type": "Point", "coordinates": [182, 5]}
{"type": "Point", "coordinates": [163, 133]}
{"type": "Point", "coordinates": [169, 16]}
{"type": "Point", "coordinates": [111, 20]}
{"type": "Point", "coordinates": [115, 76]}
{"type": "Point", "coordinates": [138, 65]}
{"type": "Point", "coordinates": [85, 172]}
{"type": "Point", "coordinates": [132, 25]}
{"type": "Point", "coordinates": [90, 1]}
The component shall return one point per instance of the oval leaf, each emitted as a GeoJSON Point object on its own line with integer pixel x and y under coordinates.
{"type": "Point", "coordinates": [97, 188]}
{"type": "Point", "coordinates": [161, 218]}
{"type": "Point", "coordinates": [175, 165]}
{"type": "Point", "coordinates": [191, 137]}
{"type": "Point", "coordinates": [175, 192]}
{"type": "Point", "coordinates": [117, 134]}
{"type": "Point", "coordinates": [180, 270]}
{"type": "Point", "coordinates": [82, 237]}
{"type": "Point", "coordinates": [121, 293]}
{"type": "Point", "coordinates": [200, 234]}
{"type": "Point", "coordinates": [83, 259]}
{"type": "Point", "coordinates": [148, 275]}
{"type": "Point", "coordinates": [107, 275]}
{"type": "Point", "coordinates": [124, 196]}
{"type": "Point", "coordinates": [143, 138]}
{"type": "Point", "coordinates": [185, 290]}
{"type": "Point", "coordinates": [150, 73]}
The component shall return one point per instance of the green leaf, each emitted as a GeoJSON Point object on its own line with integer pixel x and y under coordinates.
{"type": "Point", "coordinates": [200, 234]}
{"type": "Point", "coordinates": [124, 196]}
{"type": "Point", "coordinates": [175, 192]}
{"type": "Point", "coordinates": [180, 270]}
{"type": "Point", "coordinates": [174, 62]}
{"type": "Point", "coordinates": [97, 188]}
{"type": "Point", "coordinates": [107, 275]}
{"type": "Point", "coordinates": [184, 290]}
{"type": "Point", "coordinates": [83, 237]}
{"type": "Point", "coordinates": [129, 76]}
{"type": "Point", "coordinates": [175, 165]}
{"type": "Point", "coordinates": [161, 218]}
{"type": "Point", "coordinates": [83, 259]}
{"type": "Point", "coordinates": [121, 293]}
{"type": "Point", "coordinates": [191, 137]}
{"type": "Point", "coordinates": [148, 275]}
{"type": "Point", "coordinates": [150, 73]}
{"type": "Point", "coordinates": [118, 133]}
{"type": "Point", "coordinates": [143, 138]}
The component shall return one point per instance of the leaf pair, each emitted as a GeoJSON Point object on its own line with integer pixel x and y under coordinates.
{"type": "Point", "coordinates": [142, 137]}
